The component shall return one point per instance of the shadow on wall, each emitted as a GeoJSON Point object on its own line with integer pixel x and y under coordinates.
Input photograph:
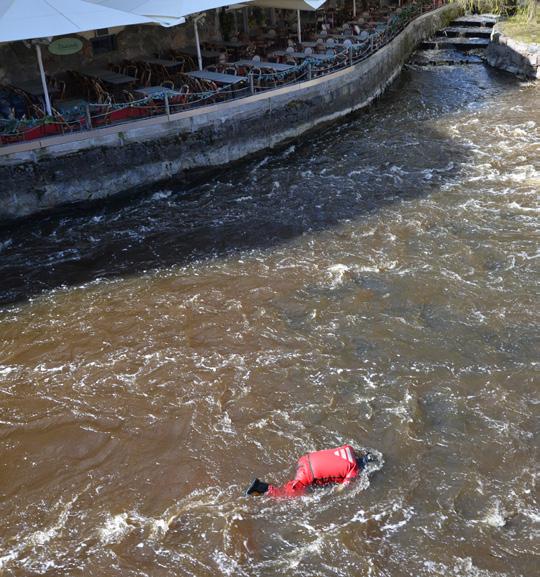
{"type": "Point", "coordinates": [376, 157]}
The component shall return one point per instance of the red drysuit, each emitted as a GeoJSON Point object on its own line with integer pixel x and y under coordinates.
{"type": "Point", "coordinates": [320, 468]}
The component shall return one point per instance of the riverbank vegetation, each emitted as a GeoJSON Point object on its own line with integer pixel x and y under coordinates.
{"type": "Point", "coordinates": [524, 26]}
{"type": "Point", "coordinates": [521, 18]}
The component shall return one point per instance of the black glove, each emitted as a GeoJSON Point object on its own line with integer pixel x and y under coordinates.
{"type": "Point", "coordinates": [257, 488]}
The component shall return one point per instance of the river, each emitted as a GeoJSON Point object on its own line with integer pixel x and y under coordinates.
{"type": "Point", "coordinates": [376, 283]}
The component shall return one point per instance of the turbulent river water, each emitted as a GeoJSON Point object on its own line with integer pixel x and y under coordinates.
{"type": "Point", "coordinates": [374, 284]}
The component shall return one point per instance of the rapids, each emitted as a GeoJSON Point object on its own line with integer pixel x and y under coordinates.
{"type": "Point", "coordinates": [376, 283]}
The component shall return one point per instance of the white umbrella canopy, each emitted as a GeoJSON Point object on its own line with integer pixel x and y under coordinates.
{"type": "Point", "coordinates": [309, 5]}
{"type": "Point", "coordinates": [26, 19]}
{"type": "Point", "coordinates": [168, 12]}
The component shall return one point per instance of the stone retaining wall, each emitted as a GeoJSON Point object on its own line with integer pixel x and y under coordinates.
{"type": "Point", "coordinates": [516, 57]}
{"type": "Point", "coordinates": [101, 163]}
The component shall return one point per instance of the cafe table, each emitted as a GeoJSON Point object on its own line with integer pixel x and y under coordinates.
{"type": "Point", "coordinates": [109, 76]}
{"type": "Point", "coordinates": [217, 77]}
{"type": "Point", "coordinates": [277, 66]}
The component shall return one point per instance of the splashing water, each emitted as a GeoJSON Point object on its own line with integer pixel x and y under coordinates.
{"type": "Point", "coordinates": [374, 285]}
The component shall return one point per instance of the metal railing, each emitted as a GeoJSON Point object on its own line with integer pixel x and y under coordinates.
{"type": "Point", "coordinates": [169, 102]}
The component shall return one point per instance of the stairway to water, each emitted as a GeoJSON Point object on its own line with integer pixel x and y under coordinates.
{"type": "Point", "coordinates": [462, 42]}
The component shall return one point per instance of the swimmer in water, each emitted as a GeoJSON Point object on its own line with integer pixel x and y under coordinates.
{"type": "Point", "coordinates": [332, 466]}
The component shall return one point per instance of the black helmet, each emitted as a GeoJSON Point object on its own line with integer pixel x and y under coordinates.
{"type": "Point", "coordinates": [367, 457]}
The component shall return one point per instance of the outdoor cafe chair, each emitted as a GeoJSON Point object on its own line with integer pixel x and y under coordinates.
{"type": "Point", "coordinates": [146, 77]}
{"type": "Point", "coordinates": [57, 86]}
{"type": "Point", "coordinates": [127, 96]}
{"type": "Point", "coordinates": [36, 112]}
{"type": "Point", "coordinates": [160, 72]}
{"type": "Point", "coordinates": [101, 96]}
{"type": "Point", "coordinates": [131, 70]}
{"type": "Point", "coordinates": [181, 98]}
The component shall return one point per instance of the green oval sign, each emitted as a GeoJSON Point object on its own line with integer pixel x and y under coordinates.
{"type": "Point", "coordinates": [65, 46]}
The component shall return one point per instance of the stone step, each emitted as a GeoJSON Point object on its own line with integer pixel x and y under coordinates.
{"type": "Point", "coordinates": [461, 43]}
{"type": "Point", "coordinates": [443, 57]}
{"type": "Point", "coordinates": [468, 31]}
{"type": "Point", "coordinates": [475, 20]}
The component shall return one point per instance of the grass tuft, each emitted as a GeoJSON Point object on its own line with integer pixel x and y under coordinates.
{"type": "Point", "coordinates": [519, 28]}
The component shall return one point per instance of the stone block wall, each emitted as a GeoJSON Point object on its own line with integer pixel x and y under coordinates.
{"type": "Point", "coordinates": [101, 163]}
{"type": "Point", "coordinates": [513, 56]}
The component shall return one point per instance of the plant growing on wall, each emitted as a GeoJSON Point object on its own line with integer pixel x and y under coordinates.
{"type": "Point", "coordinates": [488, 6]}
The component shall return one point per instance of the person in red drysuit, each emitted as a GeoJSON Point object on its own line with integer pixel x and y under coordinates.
{"type": "Point", "coordinates": [340, 465]}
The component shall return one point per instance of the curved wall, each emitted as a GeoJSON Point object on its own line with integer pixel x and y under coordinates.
{"type": "Point", "coordinates": [93, 165]}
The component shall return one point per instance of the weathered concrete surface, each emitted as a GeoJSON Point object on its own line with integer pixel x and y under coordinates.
{"type": "Point", "coordinates": [463, 43]}
{"type": "Point", "coordinates": [516, 57]}
{"type": "Point", "coordinates": [106, 162]}
{"type": "Point", "coordinates": [464, 31]}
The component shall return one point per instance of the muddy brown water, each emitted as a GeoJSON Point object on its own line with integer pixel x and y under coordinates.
{"type": "Point", "coordinates": [375, 284]}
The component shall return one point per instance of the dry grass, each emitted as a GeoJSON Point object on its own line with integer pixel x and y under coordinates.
{"type": "Point", "coordinates": [519, 29]}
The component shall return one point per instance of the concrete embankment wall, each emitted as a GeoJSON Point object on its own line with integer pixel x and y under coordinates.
{"type": "Point", "coordinates": [513, 56]}
{"type": "Point", "coordinates": [93, 165]}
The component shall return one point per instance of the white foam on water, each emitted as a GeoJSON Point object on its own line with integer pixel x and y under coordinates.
{"type": "Point", "coordinates": [6, 370]}
{"type": "Point", "coordinates": [226, 564]}
{"type": "Point", "coordinates": [337, 273]}
{"type": "Point", "coordinates": [5, 244]}
{"type": "Point", "coordinates": [463, 567]}
{"type": "Point", "coordinates": [479, 317]}
{"type": "Point", "coordinates": [5, 559]}
{"type": "Point", "coordinates": [408, 514]}
{"type": "Point", "coordinates": [367, 169]}
{"type": "Point", "coordinates": [115, 528]}
{"type": "Point", "coordinates": [260, 164]}
{"type": "Point", "coordinates": [403, 409]}
{"type": "Point", "coordinates": [518, 206]}
{"type": "Point", "coordinates": [293, 558]}
{"type": "Point", "coordinates": [496, 515]}
{"type": "Point", "coordinates": [161, 195]}
{"type": "Point", "coordinates": [40, 537]}
{"type": "Point", "coordinates": [290, 150]}
{"type": "Point", "coordinates": [224, 424]}
{"type": "Point", "coordinates": [158, 528]}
